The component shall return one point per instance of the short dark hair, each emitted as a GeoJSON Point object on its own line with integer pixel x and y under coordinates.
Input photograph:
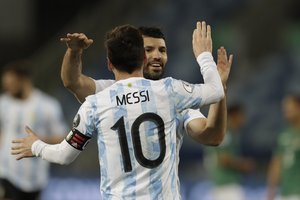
{"type": "Point", "coordinates": [20, 68]}
{"type": "Point", "coordinates": [154, 32]}
{"type": "Point", "coordinates": [125, 48]}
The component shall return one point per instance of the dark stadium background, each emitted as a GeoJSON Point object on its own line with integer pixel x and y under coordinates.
{"type": "Point", "coordinates": [263, 35]}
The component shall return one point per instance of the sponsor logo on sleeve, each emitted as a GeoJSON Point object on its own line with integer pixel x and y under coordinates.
{"type": "Point", "coordinates": [188, 87]}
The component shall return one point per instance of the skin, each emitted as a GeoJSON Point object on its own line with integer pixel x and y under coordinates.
{"type": "Point", "coordinates": [202, 35]}
{"type": "Point", "coordinates": [156, 53]}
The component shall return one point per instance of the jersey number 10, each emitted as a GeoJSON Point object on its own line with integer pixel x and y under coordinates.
{"type": "Point", "coordinates": [119, 126]}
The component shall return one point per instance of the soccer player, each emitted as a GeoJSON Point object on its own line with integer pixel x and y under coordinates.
{"type": "Point", "coordinates": [22, 104]}
{"type": "Point", "coordinates": [134, 120]}
{"type": "Point", "coordinates": [208, 131]}
{"type": "Point", "coordinates": [226, 164]}
{"type": "Point", "coordinates": [285, 163]}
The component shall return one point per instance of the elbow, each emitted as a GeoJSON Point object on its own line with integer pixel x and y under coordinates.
{"type": "Point", "coordinates": [214, 142]}
{"type": "Point", "coordinates": [220, 94]}
{"type": "Point", "coordinates": [215, 138]}
{"type": "Point", "coordinates": [63, 162]}
{"type": "Point", "coordinates": [68, 84]}
{"type": "Point", "coordinates": [66, 160]}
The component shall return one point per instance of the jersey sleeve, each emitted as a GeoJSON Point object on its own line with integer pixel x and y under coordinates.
{"type": "Point", "coordinates": [102, 84]}
{"type": "Point", "coordinates": [212, 89]}
{"type": "Point", "coordinates": [83, 128]}
{"type": "Point", "coordinates": [61, 153]}
{"type": "Point", "coordinates": [188, 95]}
{"type": "Point", "coordinates": [190, 114]}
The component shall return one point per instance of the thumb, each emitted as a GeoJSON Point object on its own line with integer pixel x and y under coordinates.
{"type": "Point", "coordinates": [29, 131]}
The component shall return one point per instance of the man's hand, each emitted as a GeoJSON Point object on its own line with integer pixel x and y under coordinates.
{"type": "Point", "coordinates": [202, 38]}
{"type": "Point", "coordinates": [224, 65]}
{"type": "Point", "coordinates": [77, 41]}
{"type": "Point", "coordinates": [22, 147]}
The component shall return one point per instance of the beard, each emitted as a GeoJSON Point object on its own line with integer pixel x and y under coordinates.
{"type": "Point", "coordinates": [17, 94]}
{"type": "Point", "coordinates": [153, 75]}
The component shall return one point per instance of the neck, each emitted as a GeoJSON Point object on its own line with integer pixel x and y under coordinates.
{"type": "Point", "coordinates": [25, 93]}
{"type": "Point", "coordinates": [124, 75]}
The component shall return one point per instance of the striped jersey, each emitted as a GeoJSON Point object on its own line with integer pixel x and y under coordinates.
{"type": "Point", "coordinates": [182, 119]}
{"type": "Point", "coordinates": [135, 123]}
{"type": "Point", "coordinates": [43, 114]}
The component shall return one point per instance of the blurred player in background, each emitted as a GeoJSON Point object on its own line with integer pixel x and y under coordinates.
{"type": "Point", "coordinates": [285, 164]}
{"type": "Point", "coordinates": [135, 120]}
{"type": "Point", "coordinates": [225, 163]}
{"type": "Point", "coordinates": [21, 104]}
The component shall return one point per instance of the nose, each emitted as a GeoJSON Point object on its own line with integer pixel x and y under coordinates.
{"type": "Point", "coordinates": [156, 54]}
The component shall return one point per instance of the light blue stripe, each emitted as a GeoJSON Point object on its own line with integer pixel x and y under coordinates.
{"type": "Point", "coordinates": [176, 116]}
{"type": "Point", "coordinates": [155, 187]}
{"type": "Point", "coordinates": [101, 150]}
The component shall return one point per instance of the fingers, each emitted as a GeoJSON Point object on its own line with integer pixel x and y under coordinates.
{"type": "Point", "coordinates": [29, 131]}
{"type": "Point", "coordinates": [230, 60]}
{"type": "Point", "coordinates": [203, 29]}
{"type": "Point", "coordinates": [16, 151]}
{"type": "Point", "coordinates": [208, 33]}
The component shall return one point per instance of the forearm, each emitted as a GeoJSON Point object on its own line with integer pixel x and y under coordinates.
{"type": "Point", "coordinates": [62, 153]}
{"type": "Point", "coordinates": [215, 126]}
{"type": "Point", "coordinates": [71, 68]}
{"type": "Point", "coordinates": [216, 123]}
{"type": "Point", "coordinates": [212, 87]}
{"type": "Point", "coordinates": [73, 79]}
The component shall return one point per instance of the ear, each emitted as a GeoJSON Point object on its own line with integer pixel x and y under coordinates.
{"type": "Point", "coordinates": [109, 65]}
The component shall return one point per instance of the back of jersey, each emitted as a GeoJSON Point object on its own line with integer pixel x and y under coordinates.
{"type": "Point", "coordinates": [134, 120]}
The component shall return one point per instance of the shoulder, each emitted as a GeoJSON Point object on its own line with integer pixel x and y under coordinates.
{"type": "Point", "coordinates": [104, 82]}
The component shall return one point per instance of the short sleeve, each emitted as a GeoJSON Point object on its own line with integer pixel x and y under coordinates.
{"type": "Point", "coordinates": [84, 119]}
{"type": "Point", "coordinates": [190, 114]}
{"type": "Point", "coordinates": [103, 84]}
{"type": "Point", "coordinates": [183, 94]}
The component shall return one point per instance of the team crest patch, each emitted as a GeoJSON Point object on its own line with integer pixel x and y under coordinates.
{"type": "Point", "coordinates": [188, 87]}
{"type": "Point", "coordinates": [76, 121]}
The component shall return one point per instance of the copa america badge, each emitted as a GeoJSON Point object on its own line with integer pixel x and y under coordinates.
{"type": "Point", "coordinates": [76, 121]}
{"type": "Point", "coordinates": [188, 87]}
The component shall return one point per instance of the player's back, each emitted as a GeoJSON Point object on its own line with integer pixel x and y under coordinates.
{"type": "Point", "coordinates": [134, 120]}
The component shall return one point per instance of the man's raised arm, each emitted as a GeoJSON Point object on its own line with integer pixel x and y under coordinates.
{"type": "Point", "coordinates": [211, 131]}
{"type": "Point", "coordinates": [71, 70]}
{"type": "Point", "coordinates": [212, 88]}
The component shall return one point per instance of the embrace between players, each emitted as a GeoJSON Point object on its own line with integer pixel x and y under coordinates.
{"type": "Point", "coordinates": [139, 118]}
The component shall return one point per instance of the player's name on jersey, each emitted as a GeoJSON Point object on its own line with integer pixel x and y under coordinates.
{"type": "Point", "coordinates": [133, 97]}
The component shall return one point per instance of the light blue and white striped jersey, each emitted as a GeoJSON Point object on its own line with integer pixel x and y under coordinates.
{"type": "Point", "coordinates": [182, 119]}
{"type": "Point", "coordinates": [135, 122]}
{"type": "Point", "coordinates": [43, 114]}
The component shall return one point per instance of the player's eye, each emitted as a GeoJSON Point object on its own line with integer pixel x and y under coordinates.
{"type": "Point", "coordinates": [148, 49]}
{"type": "Point", "coordinates": [163, 50]}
